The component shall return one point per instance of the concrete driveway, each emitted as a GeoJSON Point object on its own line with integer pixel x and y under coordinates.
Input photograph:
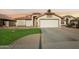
{"type": "Point", "coordinates": [60, 38]}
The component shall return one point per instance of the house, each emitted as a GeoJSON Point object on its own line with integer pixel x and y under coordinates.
{"type": "Point", "coordinates": [67, 19]}
{"type": "Point", "coordinates": [47, 19]}
{"type": "Point", "coordinates": [71, 21]}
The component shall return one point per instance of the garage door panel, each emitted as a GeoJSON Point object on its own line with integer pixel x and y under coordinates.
{"type": "Point", "coordinates": [48, 23]}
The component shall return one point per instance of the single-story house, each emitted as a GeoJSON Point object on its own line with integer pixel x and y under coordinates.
{"type": "Point", "coordinates": [47, 19]}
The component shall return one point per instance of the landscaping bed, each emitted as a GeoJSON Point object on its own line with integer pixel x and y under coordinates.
{"type": "Point", "coordinates": [7, 36]}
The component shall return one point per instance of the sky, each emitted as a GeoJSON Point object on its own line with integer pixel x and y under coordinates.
{"type": "Point", "coordinates": [17, 12]}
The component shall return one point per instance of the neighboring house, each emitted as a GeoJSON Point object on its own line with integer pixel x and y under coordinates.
{"type": "Point", "coordinates": [67, 19]}
{"type": "Point", "coordinates": [5, 21]}
{"type": "Point", "coordinates": [77, 22]}
{"type": "Point", "coordinates": [71, 21]}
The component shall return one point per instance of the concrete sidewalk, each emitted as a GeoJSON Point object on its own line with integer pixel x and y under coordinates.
{"type": "Point", "coordinates": [27, 42]}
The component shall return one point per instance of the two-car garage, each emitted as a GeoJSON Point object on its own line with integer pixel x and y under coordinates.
{"type": "Point", "coordinates": [49, 23]}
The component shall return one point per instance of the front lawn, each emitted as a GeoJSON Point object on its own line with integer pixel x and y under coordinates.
{"type": "Point", "coordinates": [7, 36]}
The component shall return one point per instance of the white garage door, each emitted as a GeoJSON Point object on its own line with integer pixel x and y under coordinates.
{"type": "Point", "coordinates": [48, 23]}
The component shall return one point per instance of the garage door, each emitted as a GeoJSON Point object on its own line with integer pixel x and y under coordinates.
{"type": "Point", "coordinates": [48, 23]}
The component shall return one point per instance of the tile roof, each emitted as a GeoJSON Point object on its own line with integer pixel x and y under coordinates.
{"type": "Point", "coordinates": [69, 16]}
{"type": "Point", "coordinates": [27, 16]}
{"type": "Point", "coordinates": [3, 16]}
{"type": "Point", "coordinates": [51, 14]}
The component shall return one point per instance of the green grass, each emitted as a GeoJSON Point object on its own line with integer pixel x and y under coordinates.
{"type": "Point", "coordinates": [7, 36]}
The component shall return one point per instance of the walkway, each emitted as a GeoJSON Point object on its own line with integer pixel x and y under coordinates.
{"type": "Point", "coordinates": [27, 42]}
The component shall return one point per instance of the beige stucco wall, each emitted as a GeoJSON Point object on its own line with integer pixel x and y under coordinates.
{"type": "Point", "coordinates": [24, 23]}
{"type": "Point", "coordinates": [29, 23]}
{"type": "Point", "coordinates": [7, 23]}
{"type": "Point", "coordinates": [20, 23]}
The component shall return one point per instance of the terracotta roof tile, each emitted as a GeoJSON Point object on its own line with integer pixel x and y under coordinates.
{"type": "Point", "coordinates": [36, 13]}
{"type": "Point", "coordinates": [25, 17]}
{"type": "Point", "coordinates": [51, 14]}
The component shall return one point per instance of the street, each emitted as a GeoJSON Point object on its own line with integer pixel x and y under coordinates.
{"type": "Point", "coordinates": [61, 38]}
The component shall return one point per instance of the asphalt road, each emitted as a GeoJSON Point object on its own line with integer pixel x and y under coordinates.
{"type": "Point", "coordinates": [60, 38]}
